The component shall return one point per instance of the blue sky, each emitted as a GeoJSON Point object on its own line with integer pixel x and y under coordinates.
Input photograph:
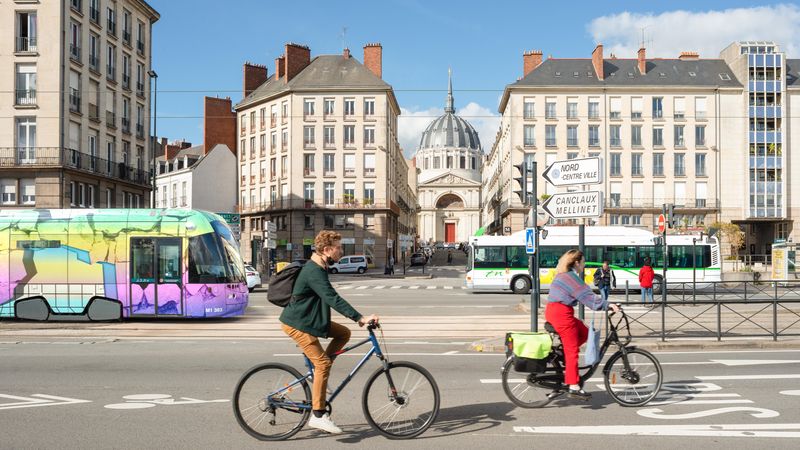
{"type": "Point", "coordinates": [199, 47]}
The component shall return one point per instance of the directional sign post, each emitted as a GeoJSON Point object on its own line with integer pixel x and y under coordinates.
{"type": "Point", "coordinates": [530, 245]}
{"type": "Point", "coordinates": [574, 205]}
{"type": "Point", "coordinates": [574, 171]}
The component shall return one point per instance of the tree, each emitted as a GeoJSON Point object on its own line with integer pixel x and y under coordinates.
{"type": "Point", "coordinates": [732, 234]}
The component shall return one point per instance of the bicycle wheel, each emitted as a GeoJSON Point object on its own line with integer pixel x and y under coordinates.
{"type": "Point", "coordinates": [634, 383]}
{"type": "Point", "coordinates": [251, 402]}
{"type": "Point", "coordinates": [410, 411]}
{"type": "Point", "coordinates": [524, 391]}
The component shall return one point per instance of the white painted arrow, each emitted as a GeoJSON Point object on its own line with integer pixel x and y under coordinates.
{"type": "Point", "coordinates": [37, 400]}
{"type": "Point", "coordinates": [754, 362]}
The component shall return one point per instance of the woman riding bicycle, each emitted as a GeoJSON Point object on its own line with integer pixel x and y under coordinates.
{"type": "Point", "coordinates": [567, 289]}
{"type": "Point", "coordinates": [308, 317]}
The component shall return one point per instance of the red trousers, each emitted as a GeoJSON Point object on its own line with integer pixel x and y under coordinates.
{"type": "Point", "coordinates": [573, 334]}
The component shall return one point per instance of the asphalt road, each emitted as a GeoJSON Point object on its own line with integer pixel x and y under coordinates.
{"type": "Point", "coordinates": [157, 394]}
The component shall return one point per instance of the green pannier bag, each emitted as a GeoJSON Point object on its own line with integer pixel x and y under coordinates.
{"type": "Point", "coordinates": [529, 350]}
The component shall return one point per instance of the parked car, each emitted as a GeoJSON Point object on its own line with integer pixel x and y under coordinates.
{"type": "Point", "coordinates": [253, 277]}
{"type": "Point", "coordinates": [438, 245]}
{"type": "Point", "coordinates": [350, 263]}
{"type": "Point", "coordinates": [418, 259]}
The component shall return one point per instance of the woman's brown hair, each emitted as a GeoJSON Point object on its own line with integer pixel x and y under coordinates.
{"type": "Point", "coordinates": [326, 238]}
{"type": "Point", "coordinates": [568, 260]}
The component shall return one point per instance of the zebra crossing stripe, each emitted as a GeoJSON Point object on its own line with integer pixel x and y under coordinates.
{"type": "Point", "coordinates": [448, 287]}
{"type": "Point", "coordinates": [431, 287]}
{"type": "Point", "coordinates": [379, 287]}
{"type": "Point", "coordinates": [362, 288]}
{"type": "Point", "coordinates": [413, 287]}
{"type": "Point", "coordinates": [395, 287]}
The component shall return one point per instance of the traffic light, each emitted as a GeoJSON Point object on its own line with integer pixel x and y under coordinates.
{"type": "Point", "coordinates": [671, 215]}
{"type": "Point", "coordinates": [523, 183]}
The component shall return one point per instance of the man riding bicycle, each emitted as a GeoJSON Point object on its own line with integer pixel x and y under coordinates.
{"type": "Point", "coordinates": [308, 317]}
{"type": "Point", "coordinates": [567, 289]}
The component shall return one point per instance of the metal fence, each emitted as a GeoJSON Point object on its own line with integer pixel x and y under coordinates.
{"type": "Point", "coordinates": [717, 310]}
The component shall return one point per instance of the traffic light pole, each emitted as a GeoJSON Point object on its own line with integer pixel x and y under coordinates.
{"type": "Point", "coordinates": [534, 260]}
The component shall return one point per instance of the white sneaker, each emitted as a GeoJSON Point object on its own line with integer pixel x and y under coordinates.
{"type": "Point", "coordinates": [324, 423]}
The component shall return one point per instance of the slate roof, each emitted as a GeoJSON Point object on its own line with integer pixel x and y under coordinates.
{"type": "Point", "coordinates": [793, 72]}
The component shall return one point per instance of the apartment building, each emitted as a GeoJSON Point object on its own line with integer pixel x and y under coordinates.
{"type": "Point", "coordinates": [317, 150]}
{"type": "Point", "coordinates": [73, 113]}
{"type": "Point", "coordinates": [661, 127]}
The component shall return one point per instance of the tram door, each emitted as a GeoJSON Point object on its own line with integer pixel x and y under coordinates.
{"type": "Point", "coordinates": [156, 274]}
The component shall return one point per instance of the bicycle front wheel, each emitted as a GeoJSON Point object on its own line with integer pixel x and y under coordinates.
{"type": "Point", "coordinates": [632, 378]}
{"type": "Point", "coordinates": [267, 402]}
{"type": "Point", "coordinates": [524, 391]}
{"type": "Point", "coordinates": [405, 411]}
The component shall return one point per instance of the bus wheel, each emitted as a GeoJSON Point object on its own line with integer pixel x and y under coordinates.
{"type": "Point", "coordinates": [658, 284]}
{"type": "Point", "coordinates": [521, 285]}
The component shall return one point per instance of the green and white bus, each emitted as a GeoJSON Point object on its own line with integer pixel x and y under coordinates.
{"type": "Point", "coordinates": [501, 263]}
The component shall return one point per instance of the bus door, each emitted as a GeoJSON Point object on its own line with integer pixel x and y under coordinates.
{"type": "Point", "coordinates": [156, 287]}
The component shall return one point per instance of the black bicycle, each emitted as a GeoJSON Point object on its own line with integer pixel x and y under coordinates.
{"type": "Point", "coordinates": [400, 400]}
{"type": "Point", "coordinates": [632, 375]}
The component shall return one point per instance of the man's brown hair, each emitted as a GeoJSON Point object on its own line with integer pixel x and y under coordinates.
{"type": "Point", "coordinates": [326, 238]}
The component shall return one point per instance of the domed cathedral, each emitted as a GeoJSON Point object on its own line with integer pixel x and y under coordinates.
{"type": "Point", "coordinates": [449, 160]}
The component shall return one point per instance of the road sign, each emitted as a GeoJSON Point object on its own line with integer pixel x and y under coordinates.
{"type": "Point", "coordinates": [574, 205]}
{"type": "Point", "coordinates": [662, 223]}
{"type": "Point", "coordinates": [271, 227]}
{"type": "Point", "coordinates": [231, 218]}
{"type": "Point", "coordinates": [271, 244]}
{"type": "Point", "coordinates": [530, 246]}
{"type": "Point", "coordinates": [574, 171]}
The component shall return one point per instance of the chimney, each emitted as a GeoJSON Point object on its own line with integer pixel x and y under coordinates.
{"type": "Point", "coordinates": [373, 57]}
{"type": "Point", "coordinates": [298, 57]}
{"type": "Point", "coordinates": [163, 147]}
{"type": "Point", "coordinates": [597, 61]}
{"type": "Point", "coordinates": [689, 56]}
{"type": "Point", "coordinates": [219, 123]}
{"type": "Point", "coordinates": [530, 61]}
{"type": "Point", "coordinates": [642, 62]}
{"type": "Point", "coordinates": [254, 76]}
{"type": "Point", "coordinates": [346, 53]}
{"type": "Point", "coordinates": [280, 66]}
{"type": "Point", "coordinates": [172, 149]}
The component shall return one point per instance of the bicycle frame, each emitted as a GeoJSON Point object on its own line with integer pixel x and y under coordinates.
{"type": "Point", "coordinates": [375, 350]}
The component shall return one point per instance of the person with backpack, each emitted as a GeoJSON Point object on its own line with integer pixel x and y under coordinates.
{"type": "Point", "coordinates": [307, 317]}
{"type": "Point", "coordinates": [605, 279]}
{"type": "Point", "coordinates": [646, 275]}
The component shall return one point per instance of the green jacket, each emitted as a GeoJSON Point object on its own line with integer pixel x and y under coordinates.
{"type": "Point", "coordinates": [313, 297]}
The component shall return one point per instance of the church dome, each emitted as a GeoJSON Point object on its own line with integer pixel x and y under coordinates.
{"type": "Point", "coordinates": [450, 130]}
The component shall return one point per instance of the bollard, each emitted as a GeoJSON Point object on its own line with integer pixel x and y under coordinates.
{"type": "Point", "coordinates": [627, 291]}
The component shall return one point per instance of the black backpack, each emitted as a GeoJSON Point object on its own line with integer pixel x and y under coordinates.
{"type": "Point", "coordinates": [282, 283]}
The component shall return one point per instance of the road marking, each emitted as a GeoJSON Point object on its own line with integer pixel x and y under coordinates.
{"type": "Point", "coordinates": [747, 377]}
{"type": "Point", "coordinates": [361, 355]}
{"type": "Point", "coordinates": [142, 401]}
{"type": "Point", "coordinates": [432, 287]}
{"type": "Point", "coordinates": [790, 392]}
{"type": "Point", "coordinates": [721, 430]}
{"type": "Point", "coordinates": [658, 413]}
{"type": "Point", "coordinates": [362, 287]}
{"type": "Point", "coordinates": [379, 287]}
{"type": "Point", "coordinates": [37, 400]}
{"type": "Point", "coordinates": [754, 362]}
{"type": "Point", "coordinates": [395, 287]}
{"type": "Point", "coordinates": [413, 287]}
{"type": "Point", "coordinates": [448, 287]}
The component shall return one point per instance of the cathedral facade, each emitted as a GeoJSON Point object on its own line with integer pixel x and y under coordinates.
{"type": "Point", "coordinates": [449, 160]}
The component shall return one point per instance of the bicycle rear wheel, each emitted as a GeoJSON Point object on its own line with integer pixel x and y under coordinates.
{"type": "Point", "coordinates": [255, 397]}
{"type": "Point", "coordinates": [633, 378]}
{"type": "Point", "coordinates": [407, 412]}
{"type": "Point", "coordinates": [524, 391]}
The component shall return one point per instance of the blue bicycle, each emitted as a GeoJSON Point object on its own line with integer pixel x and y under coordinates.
{"type": "Point", "coordinates": [272, 401]}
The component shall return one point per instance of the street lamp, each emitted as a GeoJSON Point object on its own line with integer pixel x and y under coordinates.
{"type": "Point", "coordinates": [154, 76]}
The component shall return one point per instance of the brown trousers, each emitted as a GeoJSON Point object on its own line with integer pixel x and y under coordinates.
{"type": "Point", "coordinates": [321, 359]}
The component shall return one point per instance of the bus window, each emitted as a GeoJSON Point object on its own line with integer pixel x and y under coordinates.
{"type": "Point", "coordinates": [594, 254]}
{"type": "Point", "coordinates": [680, 256]}
{"type": "Point", "coordinates": [656, 255]}
{"type": "Point", "coordinates": [490, 258]}
{"type": "Point", "coordinates": [621, 256]}
{"type": "Point", "coordinates": [517, 257]}
{"type": "Point", "coordinates": [549, 255]}
{"type": "Point", "coordinates": [142, 260]}
{"type": "Point", "coordinates": [206, 263]}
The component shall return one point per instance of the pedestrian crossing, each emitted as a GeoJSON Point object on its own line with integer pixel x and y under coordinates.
{"type": "Point", "coordinates": [363, 287]}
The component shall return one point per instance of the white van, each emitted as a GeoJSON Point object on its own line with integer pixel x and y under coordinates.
{"type": "Point", "coordinates": [350, 263]}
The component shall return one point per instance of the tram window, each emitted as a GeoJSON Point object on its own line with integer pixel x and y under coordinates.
{"type": "Point", "coordinates": [517, 257]}
{"type": "Point", "coordinates": [206, 263]}
{"type": "Point", "coordinates": [490, 257]}
{"type": "Point", "coordinates": [142, 260]}
{"type": "Point", "coordinates": [169, 262]}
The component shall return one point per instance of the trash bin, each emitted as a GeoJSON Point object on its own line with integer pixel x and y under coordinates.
{"type": "Point", "coordinates": [279, 266]}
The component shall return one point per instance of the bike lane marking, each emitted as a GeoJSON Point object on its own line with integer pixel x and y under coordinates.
{"type": "Point", "coordinates": [143, 401]}
{"type": "Point", "coordinates": [37, 400]}
{"type": "Point", "coordinates": [779, 430]}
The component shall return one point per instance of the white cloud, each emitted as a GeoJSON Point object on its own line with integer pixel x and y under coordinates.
{"type": "Point", "coordinates": [412, 122]}
{"type": "Point", "coordinates": [707, 32]}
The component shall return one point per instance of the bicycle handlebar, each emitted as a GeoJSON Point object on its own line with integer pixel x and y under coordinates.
{"type": "Point", "coordinates": [372, 324]}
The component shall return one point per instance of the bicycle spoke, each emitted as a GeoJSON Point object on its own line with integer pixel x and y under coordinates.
{"type": "Point", "coordinates": [412, 405]}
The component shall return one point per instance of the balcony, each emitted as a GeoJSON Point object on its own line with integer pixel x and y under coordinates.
{"type": "Point", "coordinates": [94, 63]}
{"type": "Point", "coordinates": [140, 89]}
{"type": "Point", "coordinates": [111, 72]}
{"type": "Point", "coordinates": [767, 111]}
{"type": "Point", "coordinates": [126, 36]}
{"type": "Point", "coordinates": [762, 137]}
{"type": "Point", "coordinates": [111, 25]}
{"type": "Point", "coordinates": [75, 53]}
{"type": "Point", "coordinates": [329, 204]}
{"type": "Point", "coordinates": [308, 172]}
{"type": "Point", "coordinates": [26, 44]}
{"type": "Point", "coordinates": [349, 171]}
{"type": "Point", "coordinates": [183, 200]}
{"type": "Point", "coordinates": [94, 15]}
{"type": "Point", "coordinates": [140, 47]}
{"type": "Point", "coordinates": [369, 172]}
{"type": "Point", "coordinates": [111, 119]}
{"type": "Point", "coordinates": [126, 125]}
{"type": "Point", "coordinates": [140, 131]}
{"type": "Point", "coordinates": [613, 203]}
{"type": "Point", "coordinates": [126, 81]}
{"type": "Point", "coordinates": [94, 113]}
{"type": "Point", "coordinates": [48, 157]}
{"type": "Point", "coordinates": [766, 86]}
{"type": "Point", "coordinates": [26, 97]}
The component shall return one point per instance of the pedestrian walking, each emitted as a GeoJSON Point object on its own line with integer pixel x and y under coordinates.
{"type": "Point", "coordinates": [449, 257]}
{"type": "Point", "coordinates": [605, 279]}
{"type": "Point", "coordinates": [646, 275]}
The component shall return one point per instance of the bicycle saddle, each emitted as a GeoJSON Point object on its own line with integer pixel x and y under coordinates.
{"type": "Point", "coordinates": [549, 328]}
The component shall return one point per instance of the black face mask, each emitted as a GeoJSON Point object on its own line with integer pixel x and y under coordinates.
{"type": "Point", "coordinates": [329, 260]}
